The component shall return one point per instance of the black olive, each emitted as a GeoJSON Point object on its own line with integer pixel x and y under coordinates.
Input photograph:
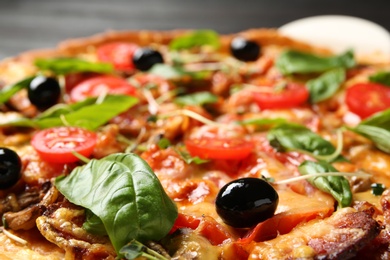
{"type": "Point", "coordinates": [145, 58]}
{"type": "Point", "coordinates": [245, 202]}
{"type": "Point", "coordinates": [244, 50]}
{"type": "Point", "coordinates": [44, 92]}
{"type": "Point", "coordinates": [10, 168]}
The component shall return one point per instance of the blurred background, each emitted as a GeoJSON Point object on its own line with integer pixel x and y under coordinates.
{"type": "Point", "coordinates": [31, 24]}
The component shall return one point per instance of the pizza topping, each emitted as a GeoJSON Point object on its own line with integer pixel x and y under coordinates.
{"type": "Point", "coordinates": [340, 236]}
{"type": "Point", "coordinates": [196, 39]}
{"type": "Point", "coordinates": [44, 92]}
{"type": "Point", "coordinates": [377, 188]}
{"type": "Point", "coordinates": [131, 191]}
{"type": "Point", "coordinates": [120, 54]}
{"type": "Point", "coordinates": [287, 137]}
{"type": "Point", "coordinates": [219, 148]}
{"type": "Point", "coordinates": [58, 144]}
{"type": "Point", "coordinates": [246, 202]}
{"type": "Point", "coordinates": [63, 66]}
{"type": "Point", "coordinates": [8, 91]}
{"type": "Point", "coordinates": [90, 113]}
{"type": "Point", "coordinates": [337, 186]}
{"type": "Point", "coordinates": [290, 62]}
{"type": "Point", "coordinates": [134, 249]}
{"type": "Point", "coordinates": [290, 95]}
{"type": "Point", "coordinates": [145, 58]}
{"type": "Point", "coordinates": [381, 77]}
{"type": "Point", "coordinates": [244, 50]}
{"type": "Point", "coordinates": [10, 168]}
{"type": "Point", "coordinates": [366, 99]}
{"type": "Point", "coordinates": [101, 85]}
{"type": "Point", "coordinates": [377, 129]}
{"type": "Point", "coordinates": [326, 85]}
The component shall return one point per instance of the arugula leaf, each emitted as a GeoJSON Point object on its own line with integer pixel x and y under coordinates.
{"type": "Point", "coordinates": [337, 186]}
{"type": "Point", "coordinates": [196, 39]}
{"type": "Point", "coordinates": [123, 191]}
{"type": "Point", "coordinates": [263, 121]}
{"type": "Point", "coordinates": [292, 61]}
{"type": "Point", "coordinates": [62, 66]}
{"type": "Point", "coordinates": [198, 98]}
{"type": "Point", "coordinates": [188, 158]}
{"type": "Point", "coordinates": [135, 250]}
{"type": "Point", "coordinates": [87, 114]}
{"type": "Point", "coordinates": [382, 77]}
{"type": "Point", "coordinates": [326, 85]}
{"type": "Point", "coordinates": [8, 91]}
{"type": "Point", "coordinates": [377, 129]}
{"type": "Point", "coordinates": [289, 136]}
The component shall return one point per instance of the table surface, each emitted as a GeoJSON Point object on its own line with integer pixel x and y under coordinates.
{"type": "Point", "coordinates": [31, 24]}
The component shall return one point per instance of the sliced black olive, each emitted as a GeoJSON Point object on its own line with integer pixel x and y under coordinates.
{"type": "Point", "coordinates": [44, 92]}
{"type": "Point", "coordinates": [145, 58]}
{"type": "Point", "coordinates": [245, 202]}
{"type": "Point", "coordinates": [10, 168]}
{"type": "Point", "coordinates": [244, 50]}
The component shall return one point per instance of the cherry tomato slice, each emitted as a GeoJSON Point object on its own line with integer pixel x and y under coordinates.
{"type": "Point", "coordinates": [292, 95]}
{"type": "Point", "coordinates": [57, 144]}
{"type": "Point", "coordinates": [214, 148]}
{"type": "Point", "coordinates": [365, 99]}
{"type": "Point", "coordinates": [96, 86]}
{"type": "Point", "coordinates": [120, 54]}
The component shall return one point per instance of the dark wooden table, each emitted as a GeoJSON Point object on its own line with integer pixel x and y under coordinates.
{"type": "Point", "coordinates": [29, 24]}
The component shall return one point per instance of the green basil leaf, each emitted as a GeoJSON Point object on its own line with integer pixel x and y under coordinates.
{"type": "Point", "coordinates": [381, 120]}
{"type": "Point", "coordinates": [197, 99]}
{"type": "Point", "coordinates": [337, 186]}
{"type": "Point", "coordinates": [326, 85]}
{"type": "Point", "coordinates": [382, 77]}
{"type": "Point", "coordinates": [123, 191]}
{"type": "Point", "coordinates": [62, 66]}
{"type": "Point", "coordinates": [285, 137]}
{"type": "Point", "coordinates": [8, 91]}
{"type": "Point", "coordinates": [176, 72]}
{"type": "Point", "coordinates": [292, 61]}
{"type": "Point", "coordinates": [87, 114]}
{"type": "Point", "coordinates": [93, 224]}
{"type": "Point", "coordinates": [196, 39]}
{"type": "Point", "coordinates": [378, 135]}
{"type": "Point", "coordinates": [166, 71]}
{"type": "Point", "coordinates": [377, 129]}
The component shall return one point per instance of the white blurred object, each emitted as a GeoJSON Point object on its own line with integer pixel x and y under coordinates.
{"type": "Point", "coordinates": [339, 33]}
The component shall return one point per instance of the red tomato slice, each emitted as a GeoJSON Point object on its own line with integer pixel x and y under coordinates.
{"type": "Point", "coordinates": [120, 54]}
{"type": "Point", "coordinates": [214, 148]}
{"type": "Point", "coordinates": [96, 86]}
{"type": "Point", "coordinates": [292, 95]}
{"type": "Point", "coordinates": [365, 99]}
{"type": "Point", "coordinates": [57, 144]}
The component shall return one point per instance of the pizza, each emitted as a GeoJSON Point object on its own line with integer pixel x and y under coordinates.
{"type": "Point", "coordinates": [189, 144]}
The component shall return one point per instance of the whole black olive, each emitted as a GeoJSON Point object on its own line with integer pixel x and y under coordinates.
{"type": "Point", "coordinates": [44, 92]}
{"type": "Point", "coordinates": [244, 50]}
{"type": "Point", "coordinates": [245, 202]}
{"type": "Point", "coordinates": [145, 58]}
{"type": "Point", "coordinates": [10, 168]}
